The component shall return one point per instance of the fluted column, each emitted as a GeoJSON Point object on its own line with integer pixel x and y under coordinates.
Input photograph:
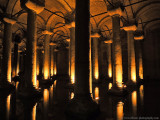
{"type": "Point", "coordinates": [6, 59]}
{"type": "Point", "coordinates": [131, 54]}
{"type": "Point", "coordinates": [82, 103]}
{"type": "Point", "coordinates": [30, 80]}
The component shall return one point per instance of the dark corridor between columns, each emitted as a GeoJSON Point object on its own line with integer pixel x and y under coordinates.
{"type": "Point", "coordinates": [142, 103]}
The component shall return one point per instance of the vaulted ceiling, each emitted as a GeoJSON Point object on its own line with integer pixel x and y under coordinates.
{"type": "Point", "coordinates": [145, 12]}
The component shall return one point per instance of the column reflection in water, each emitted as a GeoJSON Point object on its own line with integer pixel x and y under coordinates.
{"type": "Point", "coordinates": [34, 112]}
{"type": "Point", "coordinates": [96, 94]}
{"type": "Point", "coordinates": [109, 86]}
{"type": "Point", "coordinates": [120, 110]}
{"type": "Point", "coordinates": [45, 103]}
{"type": "Point", "coordinates": [141, 89]}
{"type": "Point", "coordinates": [134, 103]}
{"type": "Point", "coordinates": [71, 95]}
{"type": "Point", "coordinates": [8, 107]}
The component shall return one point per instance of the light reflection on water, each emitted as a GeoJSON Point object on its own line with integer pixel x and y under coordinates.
{"type": "Point", "coordinates": [47, 106]}
{"type": "Point", "coordinates": [120, 110]}
{"type": "Point", "coordinates": [134, 102]}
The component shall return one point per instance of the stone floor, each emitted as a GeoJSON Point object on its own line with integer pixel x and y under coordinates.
{"type": "Point", "coordinates": [141, 103]}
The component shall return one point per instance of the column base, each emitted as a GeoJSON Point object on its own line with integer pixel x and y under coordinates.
{"type": "Point", "coordinates": [6, 86]}
{"type": "Point", "coordinates": [116, 91]}
{"type": "Point", "coordinates": [82, 108]}
{"type": "Point", "coordinates": [29, 92]}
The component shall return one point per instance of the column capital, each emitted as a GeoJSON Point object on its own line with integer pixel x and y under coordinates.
{"type": "Point", "coordinates": [132, 27]}
{"type": "Point", "coordinates": [9, 20]}
{"type": "Point", "coordinates": [70, 25]}
{"type": "Point", "coordinates": [68, 40]}
{"type": "Point", "coordinates": [36, 6]}
{"type": "Point", "coordinates": [95, 35]}
{"type": "Point", "coordinates": [139, 37]}
{"type": "Point", "coordinates": [52, 44]}
{"type": "Point", "coordinates": [116, 10]}
{"type": "Point", "coordinates": [47, 32]}
{"type": "Point", "coordinates": [108, 41]}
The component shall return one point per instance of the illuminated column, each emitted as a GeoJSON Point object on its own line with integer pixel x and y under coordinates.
{"type": "Point", "coordinates": [117, 88]}
{"type": "Point", "coordinates": [109, 44]}
{"type": "Point", "coordinates": [71, 27]}
{"type": "Point", "coordinates": [52, 46]}
{"type": "Point", "coordinates": [140, 64]}
{"type": "Point", "coordinates": [46, 62]}
{"type": "Point", "coordinates": [6, 59]}
{"type": "Point", "coordinates": [82, 102]}
{"type": "Point", "coordinates": [30, 69]}
{"type": "Point", "coordinates": [131, 54]}
{"type": "Point", "coordinates": [16, 56]}
{"type": "Point", "coordinates": [39, 62]}
{"type": "Point", "coordinates": [95, 65]}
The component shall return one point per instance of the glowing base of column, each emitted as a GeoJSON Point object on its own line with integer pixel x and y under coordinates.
{"type": "Point", "coordinates": [118, 91]}
{"type": "Point", "coordinates": [29, 92]}
{"type": "Point", "coordinates": [6, 86]}
{"type": "Point", "coordinates": [82, 108]}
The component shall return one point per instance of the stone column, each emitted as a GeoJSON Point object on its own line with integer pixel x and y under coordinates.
{"type": "Point", "coordinates": [16, 56]}
{"type": "Point", "coordinates": [52, 47]}
{"type": "Point", "coordinates": [109, 51]}
{"type": "Point", "coordinates": [117, 88]}
{"type": "Point", "coordinates": [95, 65]}
{"type": "Point", "coordinates": [29, 84]}
{"type": "Point", "coordinates": [6, 60]}
{"type": "Point", "coordinates": [15, 60]}
{"type": "Point", "coordinates": [131, 55]}
{"type": "Point", "coordinates": [82, 104]}
{"type": "Point", "coordinates": [46, 62]}
{"type": "Point", "coordinates": [71, 27]}
{"type": "Point", "coordinates": [140, 61]}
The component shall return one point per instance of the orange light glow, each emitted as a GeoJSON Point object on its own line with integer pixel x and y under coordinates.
{"type": "Point", "coordinates": [72, 78]}
{"type": "Point", "coordinates": [141, 93]}
{"type": "Point", "coordinates": [109, 86]}
{"type": "Point", "coordinates": [8, 106]}
{"type": "Point", "coordinates": [109, 61]}
{"type": "Point", "coordinates": [72, 95]}
{"type": "Point", "coordinates": [46, 73]}
{"type": "Point", "coordinates": [37, 85]}
{"type": "Point", "coordinates": [52, 61]}
{"type": "Point", "coordinates": [37, 69]}
{"type": "Point", "coordinates": [72, 63]}
{"type": "Point", "coordinates": [133, 71]}
{"type": "Point", "coordinates": [17, 72]}
{"type": "Point", "coordinates": [140, 68]}
{"type": "Point", "coordinates": [119, 75]}
{"type": "Point", "coordinates": [17, 83]}
{"type": "Point", "coordinates": [55, 82]}
{"type": "Point", "coordinates": [46, 95]}
{"type": "Point", "coordinates": [90, 68]}
{"type": "Point", "coordinates": [134, 102]}
{"type": "Point", "coordinates": [34, 112]}
{"type": "Point", "coordinates": [55, 69]}
{"type": "Point", "coordinates": [120, 111]}
{"type": "Point", "coordinates": [95, 58]}
{"type": "Point", "coordinates": [34, 75]}
{"type": "Point", "coordinates": [96, 92]}
{"type": "Point", "coordinates": [110, 70]}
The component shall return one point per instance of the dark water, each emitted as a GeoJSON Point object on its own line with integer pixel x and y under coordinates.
{"type": "Point", "coordinates": [142, 103]}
